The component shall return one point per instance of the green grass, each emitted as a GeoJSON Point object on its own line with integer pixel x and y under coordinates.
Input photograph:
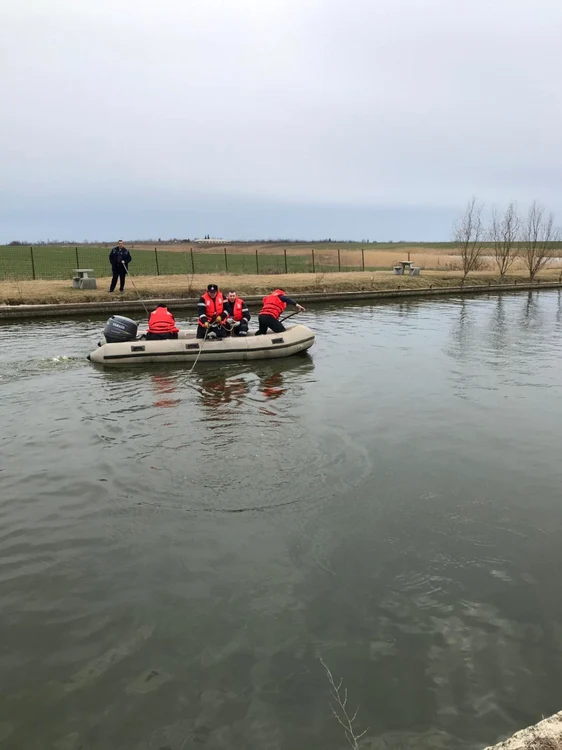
{"type": "Point", "coordinates": [52, 262]}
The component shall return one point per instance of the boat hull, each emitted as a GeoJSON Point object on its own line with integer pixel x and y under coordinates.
{"type": "Point", "coordinates": [187, 348]}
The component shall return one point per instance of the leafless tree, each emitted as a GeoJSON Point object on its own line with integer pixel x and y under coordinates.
{"type": "Point", "coordinates": [504, 234]}
{"type": "Point", "coordinates": [339, 709]}
{"type": "Point", "coordinates": [539, 233]}
{"type": "Point", "coordinates": [469, 237]}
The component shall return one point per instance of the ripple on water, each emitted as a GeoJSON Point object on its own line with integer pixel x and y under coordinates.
{"type": "Point", "coordinates": [407, 537]}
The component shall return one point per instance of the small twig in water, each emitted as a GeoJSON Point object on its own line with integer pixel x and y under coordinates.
{"type": "Point", "coordinates": [340, 712]}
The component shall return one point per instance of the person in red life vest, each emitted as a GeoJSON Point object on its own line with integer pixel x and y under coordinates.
{"type": "Point", "coordinates": [161, 324]}
{"type": "Point", "coordinates": [211, 314]}
{"type": "Point", "coordinates": [238, 315]}
{"type": "Point", "coordinates": [273, 306]}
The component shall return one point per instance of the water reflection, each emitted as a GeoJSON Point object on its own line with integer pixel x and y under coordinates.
{"type": "Point", "coordinates": [531, 317]}
{"type": "Point", "coordinates": [164, 386]}
{"type": "Point", "coordinates": [238, 384]}
{"type": "Point", "coordinates": [559, 312]}
{"type": "Point", "coordinates": [217, 390]}
{"type": "Point", "coordinates": [498, 330]}
{"type": "Point", "coordinates": [462, 332]}
{"type": "Point", "coordinates": [272, 386]}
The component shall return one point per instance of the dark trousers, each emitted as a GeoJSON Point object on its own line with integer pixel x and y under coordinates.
{"type": "Point", "coordinates": [242, 327]}
{"type": "Point", "coordinates": [268, 321]}
{"type": "Point", "coordinates": [160, 336]}
{"type": "Point", "coordinates": [218, 330]}
{"type": "Point", "coordinates": [118, 273]}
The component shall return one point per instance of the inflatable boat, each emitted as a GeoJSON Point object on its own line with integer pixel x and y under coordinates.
{"type": "Point", "coordinates": [123, 347]}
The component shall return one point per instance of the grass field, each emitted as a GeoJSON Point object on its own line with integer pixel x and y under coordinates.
{"type": "Point", "coordinates": [58, 262]}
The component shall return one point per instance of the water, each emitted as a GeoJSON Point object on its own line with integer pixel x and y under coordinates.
{"type": "Point", "coordinates": [177, 553]}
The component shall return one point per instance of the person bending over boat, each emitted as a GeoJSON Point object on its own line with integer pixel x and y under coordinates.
{"type": "Point", "coordinates": [161, 324]}
{"type": "Point", "coordinates": [273, 306]}
{"type": "Point", "coordinates": [238, 315]}
{"type": "Point", "coordinates": [211, 314]}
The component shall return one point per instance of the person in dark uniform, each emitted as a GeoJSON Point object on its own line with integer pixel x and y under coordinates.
{"type": "Point", "coordinates": [211, 314]}
{"type": "Point", "coordinates": [161, 324]}
{"type": "Point", "coordinates": [238, 315]}
{"type": "Point", "coordinates": [273, 306]}
{"type": "Point", "coordinates": [119, 258]}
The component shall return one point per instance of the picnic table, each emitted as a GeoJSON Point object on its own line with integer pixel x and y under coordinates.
{"type": "Point", "coordinates": [400, 269]}
{"type": "Point", "coordinates": [84, 278]}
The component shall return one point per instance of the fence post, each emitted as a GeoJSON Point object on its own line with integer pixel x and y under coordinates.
{"type": "Point", "coordinates": [192, 263]}
{"type": "Point", "coordinates": [77, 260]}
{"type": "Point", "coordinates": [32, 263]}
{"type": "Point", "coordinates": [156, 259]}
{"type": "Point", "coordinates": [362, 258]}
{"type": "Point", "coordinates": [225, 261]}
{"type": "Point", "coordinates": [285, 255]}
{"type": "Point", "coordinates": [339, 260]}
{"type": "Point", "coordinates": [313, 264]}
{"type": "Point", "coordinates": [257, 266]}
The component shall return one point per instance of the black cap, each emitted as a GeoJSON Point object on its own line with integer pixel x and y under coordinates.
{"type": "Point", "coordinates": [212, 288]}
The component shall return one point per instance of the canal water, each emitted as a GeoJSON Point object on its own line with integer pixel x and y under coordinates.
{"type": "Point", "coordinates": [178, 552]}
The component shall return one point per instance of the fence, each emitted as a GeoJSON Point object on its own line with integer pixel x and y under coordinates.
{"type": "Point", "coordinates": [59, 262]}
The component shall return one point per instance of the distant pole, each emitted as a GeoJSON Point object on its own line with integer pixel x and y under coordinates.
{"type": "Point", "coordinates": [257, 265]}
{"type": "Point", "coordinates": [313, 264]}
{"type": "Point", "coordinates": [408, 256]}
{"type": "Point", "coordinates": [339, 260]}
{"type": "Point", "coordinates": [32, 263]}
{"type": "Point", "coordinates": [285, 254]}
{"type": "Point", "coordinates": [156, 259]}
{"type": "Point", "coordinates": [77, 261]}
{"type": "Point", "coordinates": [362, 258]}
{"type": "Point", "coordinates": [225, 261]}
{"type": "Point", "coordinates": [192, 262]}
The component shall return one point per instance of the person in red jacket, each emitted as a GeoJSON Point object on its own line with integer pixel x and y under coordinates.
{"type": "Point", "coordinates": [238, 315]}
{"type": "Point", "coordinates": [161, 324]}
{"type": "Point", "coordinates": [273, 306]}
{"type": "Point", "coordinates": [211, 314]}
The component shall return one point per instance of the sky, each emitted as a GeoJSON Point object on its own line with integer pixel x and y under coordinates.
{"type": "Point", "coordinates": [266, 119]}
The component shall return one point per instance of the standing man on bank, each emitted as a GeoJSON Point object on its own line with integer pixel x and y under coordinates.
{"type": "Point", "coordinates": [273, 306]}
{"type": "Point", "coordinates": [119, 258]}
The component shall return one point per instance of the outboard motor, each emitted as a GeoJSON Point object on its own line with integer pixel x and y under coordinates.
{"type": "Point", "coordinates": [119, 329]}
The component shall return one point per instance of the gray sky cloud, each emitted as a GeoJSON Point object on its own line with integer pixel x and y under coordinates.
{"type": "Point", "coordinates": [225, 113]}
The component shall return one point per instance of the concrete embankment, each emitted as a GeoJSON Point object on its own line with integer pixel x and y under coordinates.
{"type": "Point", "coordinates": [10, 312]}
{"type": "Point", "coordinates": [546, 735]}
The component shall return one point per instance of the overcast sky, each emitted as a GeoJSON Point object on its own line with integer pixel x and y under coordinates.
{"type": "Point", "coordinates": [274, 118]}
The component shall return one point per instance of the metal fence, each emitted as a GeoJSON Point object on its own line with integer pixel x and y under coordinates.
{"type": "Point", "coordinates": [59, 262]}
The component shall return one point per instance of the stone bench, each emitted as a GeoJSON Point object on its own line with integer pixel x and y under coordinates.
{"type": "Point", "coordinates": [84, 279]}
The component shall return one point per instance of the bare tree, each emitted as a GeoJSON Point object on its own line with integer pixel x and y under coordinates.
{"type": "Point", "coordinates": [504, 233]}
{"type": "Point", "coordinates": [340, 710]}
{"type": "Point", "coordinates": [539, 233]}
{"type": "Point", "coordinates": [469, 237]}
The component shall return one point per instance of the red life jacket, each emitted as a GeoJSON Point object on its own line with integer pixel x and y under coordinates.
{"type": "Point", "coordinates": [237, 309]}
{"type": "Point", "coordinates": [272, 305]}
{"type": "Point", "coordinates": [213, 307]}
{"type": "Point", "coordinates": [162, 321]}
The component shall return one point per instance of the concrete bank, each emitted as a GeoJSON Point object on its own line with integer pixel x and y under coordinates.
{"type": "Point", "coordinates": [546, 735]}
{"type": "Point", "coordinates": [10, 312]}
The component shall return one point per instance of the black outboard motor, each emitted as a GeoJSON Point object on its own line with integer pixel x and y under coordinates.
{"type": "Point", "coordinates": [119, 329]}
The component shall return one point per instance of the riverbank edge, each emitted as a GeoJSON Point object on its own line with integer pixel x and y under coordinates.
{"type": "Point", "coordinates": [10, 312]}
{"type": "Point", "coordinates": [545, 735]}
